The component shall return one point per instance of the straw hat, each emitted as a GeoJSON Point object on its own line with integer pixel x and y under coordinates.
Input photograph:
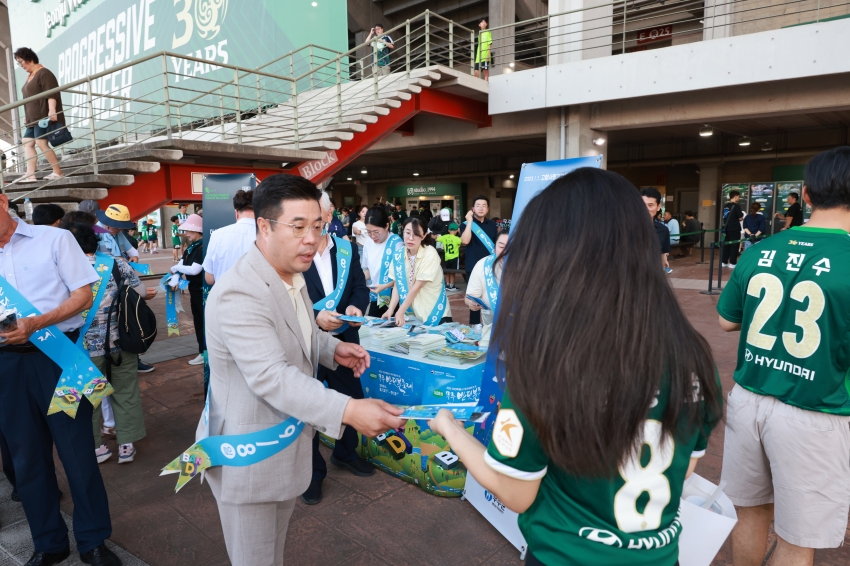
{"type": "Point", "coordinates": [116, 216]}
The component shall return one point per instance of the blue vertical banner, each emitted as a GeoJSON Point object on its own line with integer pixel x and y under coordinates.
{"type": "Point", "coordinates": [533, 178]}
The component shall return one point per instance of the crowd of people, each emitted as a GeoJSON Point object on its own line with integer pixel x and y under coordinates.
{"type": "Point", "coordinates": [594, 476]}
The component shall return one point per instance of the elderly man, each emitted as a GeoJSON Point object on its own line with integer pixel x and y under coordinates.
{"type": "Point", "coordinates": [335, 275]}
{"type": "Point", "coordinates": [264, 352]}
{"type": "Point", "coordinates": [51, 272]}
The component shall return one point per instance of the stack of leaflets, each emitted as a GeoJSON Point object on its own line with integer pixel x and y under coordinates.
{"type": "Point", "coordinates": [455, 356]}
{"type": "Point", "coordinates": [424, 342]}
{"type": "Point", "coordinates": [386, 337]}
{"type": "Point", "coordinates": [400, 348]}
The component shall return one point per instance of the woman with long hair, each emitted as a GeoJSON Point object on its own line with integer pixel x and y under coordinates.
{"type": "Point", "coordinates": [377, 259]}
{"type": "Point", "coordinates": [418, 275]}
{"type": "Point", "coordinates": [358, 229]}
{"type": "Point", "coordinates": [611, 393]}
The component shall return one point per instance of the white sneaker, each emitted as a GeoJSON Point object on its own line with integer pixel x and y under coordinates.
{"type": "Point", "coordinates": [126, 453]}
{"type": "Point", "coordinates": [731, 266]}
{"type": "Point", "coordinates": [107, 430]}
{"type": "Point", "coordinates": [197, 361]}
{"type": "Point", "coordinates": [54, 176]}
{"type": "Point", "coordinates": [102, 454]}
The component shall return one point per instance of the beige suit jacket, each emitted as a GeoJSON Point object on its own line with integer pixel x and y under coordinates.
{"type": "Point", "coordinates": [260, 375]}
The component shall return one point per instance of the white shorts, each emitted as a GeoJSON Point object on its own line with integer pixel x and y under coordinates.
{"type": "Point", "coordinates": [796, 459]}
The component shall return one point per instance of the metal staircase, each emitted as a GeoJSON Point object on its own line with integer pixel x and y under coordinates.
{"type": "Point", "coordinates": [309, 112]}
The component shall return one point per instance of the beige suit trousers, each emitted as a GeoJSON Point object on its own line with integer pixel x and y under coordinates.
{"type": "Point", "coordinates": [254, 533]}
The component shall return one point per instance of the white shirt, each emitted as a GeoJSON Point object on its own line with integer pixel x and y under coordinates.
{"type": "Point", "coordinates": [228, 244]}
{"type": "Point", "coordinates": [673, 226]}
{"type": "Point", "coordinates": [372, 255]}
{"type": "Point", "coordinates": [362, 236]}
{"type": "Point", "coordinates": [324, 265]}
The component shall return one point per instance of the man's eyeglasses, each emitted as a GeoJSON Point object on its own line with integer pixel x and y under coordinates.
{"type": "Point", "coordinates": [300, 231]}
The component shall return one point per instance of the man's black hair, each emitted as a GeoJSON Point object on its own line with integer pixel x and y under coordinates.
{"type": "Point", "coordinates": [652, 193]}
{"type": "Point", "coordinates": [47, 214]}
{"type": "Point", "coordinates": [174, 219]}
{"type": "Point", "coordinates": [379, 26]}
{"type": "Point", "coordinates": [795, 195]}
{"type": "Point", "coordinates": [274, 190]}
{"type": "Point", "coordinates": [689, 213]}
{"type": "Point", "coordinates": [85, 236]}
{"type": "Point", "coordinates": [481, 197]}
{"type": "Point", "coordinates": [733, 194]}
{"type": "Point", "coordinates": [827, 178]}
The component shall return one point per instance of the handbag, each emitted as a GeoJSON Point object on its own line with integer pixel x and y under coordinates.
{"type": "Point", "coordinates": [58, 134]}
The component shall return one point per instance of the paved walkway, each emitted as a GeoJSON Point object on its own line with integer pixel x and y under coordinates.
{"type": "Point", "coordinates": [361, 521]}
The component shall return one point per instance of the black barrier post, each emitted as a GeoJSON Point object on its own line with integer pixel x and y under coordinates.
{"type": "Point", "coordinates": [710, 273]}
{"type": "Point", "coordinates": [720, 270]}
{"type": "Point", "coordinates": [701, 245]}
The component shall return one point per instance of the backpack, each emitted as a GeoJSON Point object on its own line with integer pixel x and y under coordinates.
{"type": "Point", "coordinates": [136, 322]}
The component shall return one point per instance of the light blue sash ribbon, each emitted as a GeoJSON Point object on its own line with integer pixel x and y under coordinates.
{"type": "Point", "coordinates": [171, 298]}
{"type": "Point", "coordinates": [343, 262]}
{"type": "Point", "coordinates": [393, 242]}
{"type": "Point", "coordinates": [483, 237]}
{"type": "Point", "coordinates": [490, 282]}
{"type": "Point", "coordinates": [79, 375]}
{"type": "Point", "coordinates": [103, 265]}
{"type": "Point", "coordinates": [143, 268]}
{"type": "Point", "coordinates": [233, 450]}
{"type": "Point", "coordinates": [401, 283]}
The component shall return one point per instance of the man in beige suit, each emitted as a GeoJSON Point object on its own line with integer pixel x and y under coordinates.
{"type": "Point", "coordinates": [264, 350]}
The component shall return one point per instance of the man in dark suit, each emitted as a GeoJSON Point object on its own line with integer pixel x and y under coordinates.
{"type": "Point", "coordinates": [324, 280]}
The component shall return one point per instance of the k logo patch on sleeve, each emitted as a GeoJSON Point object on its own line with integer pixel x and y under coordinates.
{"type": "Point", "coordinates": [507, 434]}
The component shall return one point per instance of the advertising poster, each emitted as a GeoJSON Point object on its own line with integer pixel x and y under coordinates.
{"type": "Point", "coordinates": [764, 194]}
{"type": "Point", "coordinates": [218, 199]}
{"type": "Point", "coordinates": [782, 192]}
{"type": "Point", "coordinates": [534, 177]}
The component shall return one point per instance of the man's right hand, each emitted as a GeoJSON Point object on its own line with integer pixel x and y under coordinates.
{"type": "Point", "coordinates": [372, 417]}
{"type": "Point", "coordinates": [328, 321]}
{"type": "Point", "coordinates": [469, 216]}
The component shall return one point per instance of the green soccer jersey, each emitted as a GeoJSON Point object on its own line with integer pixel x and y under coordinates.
{"type": "Point", "coordinates": [632, 518]}
{"type": "Point", "coordinates": [175, 235]}
{"type": "Point", "coordinates": [451, 245]}
{"type": "Point", "coordinates": [790, 295]}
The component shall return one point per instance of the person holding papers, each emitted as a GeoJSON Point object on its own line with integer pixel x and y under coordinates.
{"type": "Point", "coordinates": [418, 276]}
{"type": "Point", "coordinates": [336, 284]}
{"type": "Point", "coordinates": [378, 253]}
{"type": "Point", "coordinates": [600, 424]}
{"type": "Point", "coordinates": [484, 285]}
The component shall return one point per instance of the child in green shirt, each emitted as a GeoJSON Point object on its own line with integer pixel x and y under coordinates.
{"type": "Point", "coordinates": [395, 227]}
{"type": "Point", "coordinates": [451, 245]}
{"type": "Point", "coordinates": [175, 237]}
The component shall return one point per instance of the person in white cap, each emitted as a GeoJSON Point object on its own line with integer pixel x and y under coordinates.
{"type": "Point", "coordinates": [439, 225]}
{"type": "Point", "coordinates": [191, 268]}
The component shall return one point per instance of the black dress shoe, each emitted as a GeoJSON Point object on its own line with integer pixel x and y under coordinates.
{"type": "Point", "coordinates": [48, 558]}
{"type": "Point", "coordinates": [15, 496]}
{"type": "Point", "coordinates": [313, 494]}
{"type": "Point", "coordinates": [100, 556]}
{"type": "Point", "coordinates": [358, 466]}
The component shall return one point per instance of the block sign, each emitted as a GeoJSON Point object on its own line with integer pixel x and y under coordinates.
{"type": "Point", "coordinates": [654, 34]}
{"type": "Point", "coordinates": [311, 169]}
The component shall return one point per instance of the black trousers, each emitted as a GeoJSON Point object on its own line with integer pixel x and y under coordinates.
{"type": "Point", "coordinates": [196, 299]}
{"type": "Point", "coordinates": [6, 455]}
{"type": "Point", "coordinates": [27, 382]}
{"type": "Point", "coordinates": [375, 310]}
{"type": "Point", "coordinates": [345, 449]}
{"type": "Point", "coordinates": [730, 251]}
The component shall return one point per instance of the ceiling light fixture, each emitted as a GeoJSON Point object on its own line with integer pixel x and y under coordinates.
{"type": "Point", "coordinates": [348, 179]}
{"type": "Point", "coordinates": [511, 65]}
{"type": "Point", "coordinates": [599, 141]}
{"type": "Point", "coordinates": [511, 177]}
{"type": "Point", "coordinates": [767, 146]}
{"type": "Point", "coordinates": [416, 173]}
{"type": "Point", "coordinates": [744, 142]}
{"type": "Point", "coordinates": [706, 132]}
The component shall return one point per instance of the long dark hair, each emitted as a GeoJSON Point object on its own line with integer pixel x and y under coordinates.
{"type": "Point", "coordinates": [592, 337]}
{"type": "Point", "coordinates": [419, 227]}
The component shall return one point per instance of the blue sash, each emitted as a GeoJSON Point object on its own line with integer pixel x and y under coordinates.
{"type": "Point", "coordinates": [171, 298]}
{"type": "Point", "coordinates": [393, 241]}
{"type": "Point", "coordinates": [143, 268]}
{"type": "Point", "coordinates": [490, 282]}
{"type": "Point", "coordinates": [401, 284]}
{"type": "Point", "coordinates": [103, 265]}
{"type": "Point", "coordinates": [79, 375]}
{"type": "Point", "coordinates": [483, 237]}
{"type": "Point", "coordinates": [343, 259]}
{"type": "Point", "coordinates": [233, 450]}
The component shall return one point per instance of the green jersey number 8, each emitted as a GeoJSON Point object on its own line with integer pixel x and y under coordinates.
{"type": "Point", "coordinates": [649, 479]}
{"type": "Point", "coordinates": [774, 293]}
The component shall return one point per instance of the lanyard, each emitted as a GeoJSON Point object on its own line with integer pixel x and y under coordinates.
{"type": "Point", "coordinates": [343, 257]}
{"type": "Point", "coordinates": [401, 282]}
{"type": "Point", "coordinates": [483, 237]}
{"type": "Point", "coordinates": [79, 375]}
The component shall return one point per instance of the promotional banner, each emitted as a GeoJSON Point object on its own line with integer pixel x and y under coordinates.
{"type": "Point", "coordinates": [219, 191]}
{"type": "Point", "coordinates": [534, 177]}
{"type": "Point", "coordinates": [79, 38]}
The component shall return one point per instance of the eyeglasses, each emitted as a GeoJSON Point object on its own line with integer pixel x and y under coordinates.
{"type": "Point", "coordinates": [375, 233]}
{"type": "Point", "coordinates": [300, 231]}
